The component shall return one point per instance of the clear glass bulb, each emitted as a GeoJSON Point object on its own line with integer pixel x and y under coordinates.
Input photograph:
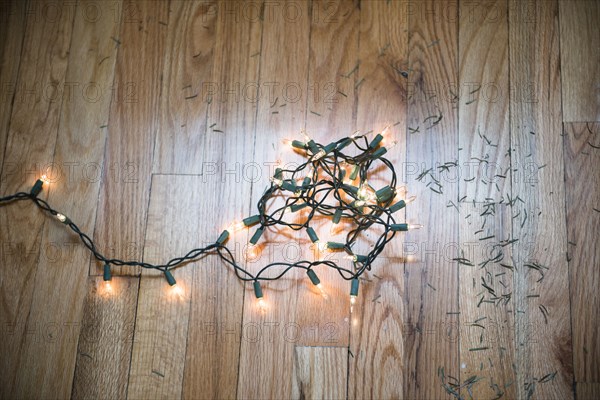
{"type": "Point", "coordinates": [262, 305]}
{"type": "Point", "coordinates": [235, 226]}
{"type": "Point", "coordinates": [323, 292]}
{"type": "Point", "coordinates": [322, 246]}
{"type": "Point", "coordinates": [177, 291]}
{"type": "Point", "coordinates": [414, 226]}
{"type": "Point", "coordinates": [61, 217]}
{"type": "Point", "coordinates": [276, 181]}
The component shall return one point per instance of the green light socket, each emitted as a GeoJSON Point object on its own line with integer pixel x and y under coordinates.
{"type": "Point", "coordinates": [289, 186]}
{"type": "Point", "coordinates": [344, 143]}
{"type": "Point", "coordinates": [297, 207]}
{"type": "Point", "coordinates": [305, 182]}
{"type": "Point", "coordinates": [376, 140]}
{"type": "Point", "coordinates": [379, 152]}
{"type": "Point", "coordinates": [329, 148]}
{"type": "Point", "coordinates": [298, 144]}
{"type": "Point", "coordinates": [254, 239]}
{"type": "Point", "coordinates": [354, 172]}
{"type": "Point", "coordinates": [384, 194]}
{"type": "Point", "coordinates": [360, 258]}
{"type": "Point", "coordinates": [335, 245]}
{"type": "Point", "coordinates": [107, 275]}
{"type": "Point", "coordinates": [257, 290]}
{"type": "Point", "coordinates": [37, 188]}
{"type": "Point", "coordinates": [313, 146]}
{"type": "Point", "coordinates": [337, 216]}
{"type": "Point", "coordinates": [350, 188]}
{"type": "Point", "coordinates": [223, 237]}
{"type": "Point", "coordinates": [313, 277]}
{"type": "Point", "coordinates": [278, 173]}
{"type": "Point", "coordinates": [354, 287]}
{"type": "Point", "coordinates": [398, 206]}
{"type": "Point", "coordinates": [170, 280]}
{"type": "Point", "coordinates": [399, 227]}
{"type": "Point", "coordinates": [253, 220]}
{"type": "Point", "coordinates": [312, 234]}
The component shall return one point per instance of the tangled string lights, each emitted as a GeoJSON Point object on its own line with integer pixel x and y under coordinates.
{"type": "Point", "coordinates": [330, 184]}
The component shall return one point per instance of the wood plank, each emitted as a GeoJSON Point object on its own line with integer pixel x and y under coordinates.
{"type": "Point", "coordinates": [580, 60]}
{"type": "Point", "coordinates": [128, 161]}
{"type": "Point", "coordinates": [184, 99]}
{"type": "Point", "coordinates": [587, 391]}
{"type": "Point", "coordinates": [433, 60]}
{"type": "Point", "coordinates": [582, 180]}
{"type": "Point", "coordinates": [284, 66]}
{"type": "Point", "coordinates": [486, 325]}
{"type": "Point", "coordinates": [62, 273]}
{"type": "Point", "coordinates": [485, 328]}
{"type": "Point", "coordinates": [483, 102]}
{"type": "Point", "coordinates": [320, 373]}
{"type": "Point", "coordinates": [377, 338]}
{"type": "Point", "coordinates": [162, 319]}
{"type": "Point", "coordinates": [12, 32]}
{"type": "Point", "coordinates": [213, 342]}
{"type": "Point", "coordinates": [329, 116]}
{"type": "Point", "coordinates": [106, 339]}
{"type": "Point", "coordinates": [536, 157]}
{"type": "Point", "coordinates": [46, 43]}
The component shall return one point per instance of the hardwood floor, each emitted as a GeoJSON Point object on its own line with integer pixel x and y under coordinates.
{"type": "Point", "coordinates": [158, 123]}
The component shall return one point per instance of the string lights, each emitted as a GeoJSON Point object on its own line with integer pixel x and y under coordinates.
{"type": "Point", "coordinates": [330, 184]}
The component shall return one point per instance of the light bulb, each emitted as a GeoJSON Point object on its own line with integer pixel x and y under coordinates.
{"type": "Point", "coordinates": [414, 226]}
{"type": "Point", "coordinates": [252, 252]}
{"type": "Point", "coordinates": [352, 300]}
{"type": "Point", "coordinates": [44, 178]}
{"type": "Point", "coordinates": [322, 246]}
{"type": "Point", "coordinates": [61, 218]}
{"type": "Point", "coordinates": [388, 141]}
{"type": "Point", "coordinates": [235, 226]}
{"type": "Point", "coordinates": [276, 181]}
{"type": "Point", "coordinates": [177, 291]}
{"type": "Point", "coordinates": [262, 305]}
{"type": "Point", "coordinates": [334, 229]}
{"type": "Point", "coordinates": [322, 290]}
{"type": "Point", "coordinates": [107, 287]}
{"type": "Point", "coordinates": [363, 191]}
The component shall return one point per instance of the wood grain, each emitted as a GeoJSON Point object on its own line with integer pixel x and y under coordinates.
{"type": "Point", "coordinates": [216, 329]}
{"type": "Point", "coordinates": [45, 43]}
{"type": "Point", "coordinates": [433, 60]}
{"type": "Point", "coordinates": [582, 180]}
{"type": "Point", "coordinates": [128, 161]}
{"type": "Point", "coordinates": [106, 339]}
{"type": "Point", "coordinates": [163, 312]}
{"type": "Point", "coordinates": [268, 350]}
{"type": "Point", "coordinates": [62, 268]}
{"type": "Point", "coordinates": [186, 84]}
{"type": "Point", "coordinates": [320, 373]}
{"type": "Point", "coordinates": [12, 32]}
{"type": "Point", "coordinates": [486, 328]}
{"type": "Point", "coordinates": [587, 391]}
{"type": "Point", "coordinates": [580, 60]}
{"type": "Point", "coordinates": [329, 115]}
{"type": "Point", "coordinates": [543, 334]}
{"type": "Point", "coordinates": [194, 100]}
{"type": "Point", "coordinates": [377, 336]}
